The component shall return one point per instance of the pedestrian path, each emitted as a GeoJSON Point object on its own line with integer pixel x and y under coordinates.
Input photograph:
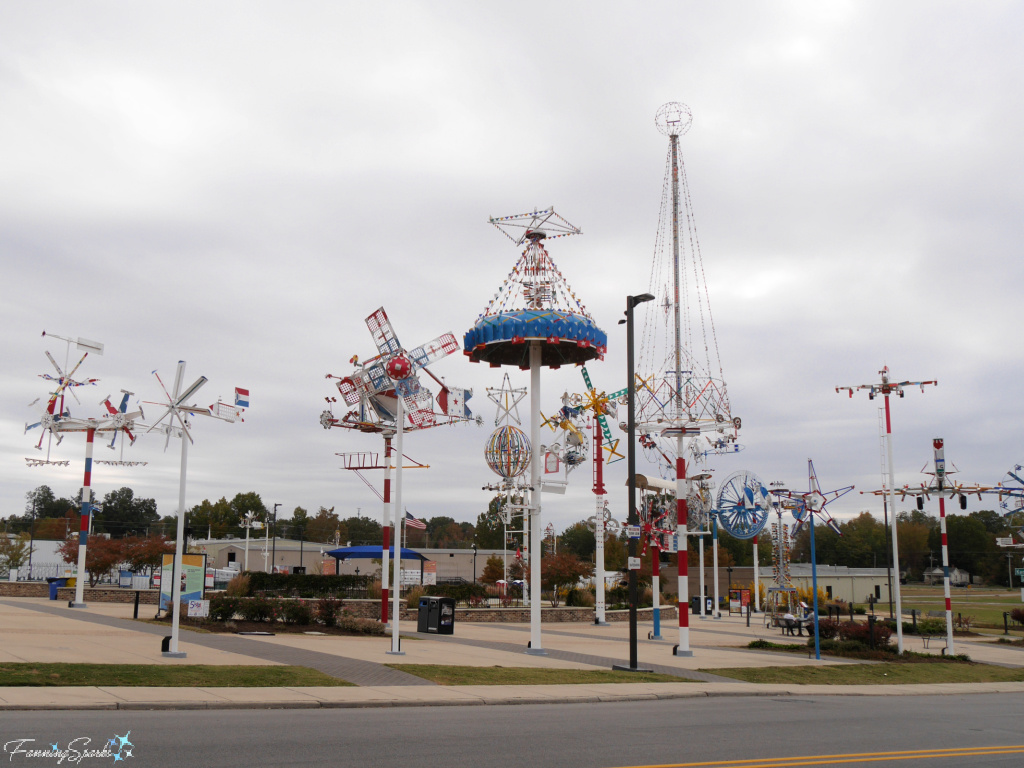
{"type": "Point", "coordinates": [39, 630]}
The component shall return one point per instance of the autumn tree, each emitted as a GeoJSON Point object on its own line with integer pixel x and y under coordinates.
{"type": "Point", "coordinates": [562, 570]}
{"type": "Point", "coordinates": [143, 553]}
{"type": "Point", "coordinates": [578, 540]}
{"type": "Point", "coordinates": [14, 550]}
{"type": "Point", "coordinates": [326, 526]}
{"type": "Point", "coordinates": [101, 555]}
{"type": "Point", "coordinates": [494, 570]}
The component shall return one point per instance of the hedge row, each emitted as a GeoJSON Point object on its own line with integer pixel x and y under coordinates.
{"type": "Point", "coordinates": [326, 611]}
{"type": "Point", "coordinates": [306, 583]}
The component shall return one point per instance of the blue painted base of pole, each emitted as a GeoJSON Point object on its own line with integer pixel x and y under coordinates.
{"type": "Point", "coordinates": [657, 624]}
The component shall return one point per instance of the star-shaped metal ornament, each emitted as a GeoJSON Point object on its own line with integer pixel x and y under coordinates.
{"type": "Point", "coordinates": [507, 399]}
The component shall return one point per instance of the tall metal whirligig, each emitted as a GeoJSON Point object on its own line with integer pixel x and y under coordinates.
{"type": "Point", "coordinates": [388, 392]}
{"type": "Point", "coordinates": [56, 420]}
{"type": "Point", "coordinates": [534, 320]}
{"type": "Point", "coordinates": [681, 392]}
{"type": "Point", "coordinates": [886, 388]}
{"type": "Point", "coordinates": [381, 406]}
{"type": "Point", "coordinates": [805, 506]}
{"type": "Point", "coordinates": [942, 486]}
{"type": "Point", "coordinates": [601, 406]}
{"type": "Point", "coordinates": [175, 422]}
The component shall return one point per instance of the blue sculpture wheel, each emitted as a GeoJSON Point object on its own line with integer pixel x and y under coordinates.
{"type": "Point", "coordinates": [743, 505]}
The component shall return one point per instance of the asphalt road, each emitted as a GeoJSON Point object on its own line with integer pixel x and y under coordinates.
{"type": "Point", "coordinates": [827, 730]}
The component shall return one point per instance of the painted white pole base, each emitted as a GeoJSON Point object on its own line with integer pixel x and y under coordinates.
{"type": "Point", "coordinates": [395, 653]}
{"type": "Point", "coordinates": [685, 654]}
{"type": "Point", "coordinates": [174, 655]}
{"type": "Point", "coordinates": [601, 624]}
{"type": "Point", "coordinates": [73, 604]}
{"type": "Point", "coordinates": [536, 652]}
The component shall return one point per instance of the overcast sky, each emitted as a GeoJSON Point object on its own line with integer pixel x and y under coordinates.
{"type": "Point", "coordinates": [239, 184]}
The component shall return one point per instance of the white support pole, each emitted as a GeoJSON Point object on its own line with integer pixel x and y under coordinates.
{"type": "Point", "coordinates": [386, 532]}
{"type": "Point", "coordinates": [86, 526]}
{"type": "Point", "coordinates": [396, 507]}
{"type": "Point", "coordinates": [895, 543]}
{"type": "Point", "coordinates": [248, 525]}
{"type": "Point", "coordinates": [716, 613]}
{"type": "Point", "coordinates": [757, 580]}
{"type": "Point", "coordinates": [536, 647]}
{"type": "Point", "coordinates": [599, 534]}
{"type": "Point", "coordinates": [703, 589]}
{"type": "Point", "coordinates": [178, 549]}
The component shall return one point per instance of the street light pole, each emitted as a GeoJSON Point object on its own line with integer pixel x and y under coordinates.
{"type": "Point", "coordinates": [633, 519]}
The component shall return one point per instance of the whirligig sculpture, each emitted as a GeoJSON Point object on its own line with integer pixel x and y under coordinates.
{"type": "Point", "coordinates": [534, 321]}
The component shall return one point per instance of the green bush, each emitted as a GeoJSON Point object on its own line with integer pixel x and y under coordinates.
{"type": "Point", "coordinates": [296, 612]}
{"type": "Point", "coordinates": [931, 627]}
{"type": "Point", "coordinates": [579, 598]}
{"type": "Point", "coordinates": [223, 607]}
{"type": "Point", "coordinates": [1017, 614]}
{"type": "Point", "coordinates": [258, 609]}
{"type": "Point", "coordinates": [307, 583]}
{"type": "Point", "coordinates": [327, 610]}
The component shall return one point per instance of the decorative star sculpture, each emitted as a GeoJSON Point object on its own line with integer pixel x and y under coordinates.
{"type": "Point", "coordinates": [507, 399]}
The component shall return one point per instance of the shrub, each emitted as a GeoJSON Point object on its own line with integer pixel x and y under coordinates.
{"type": "Point", "coordinates": [1017, 614]}
{"type": "Point", "coordinates": [361, 626]}
{"type": "Point", "coordinates": [931, 627]}
{"type": "Point", "coordinates": [327, 610]}
{"type": "Point", "coordinates": [852, 630]}
{"type": "Point", "coordinates": [223, 607]}
{"type": "Point", "coordinates": [413, 595]}
{"type": "Point", "coordinates": [827, 628]}
{"type": "Point", "coordinates": [306, 583]}
{"type": "Point", "coordinates": [238, 586]}
{"type": "Point", "coordinates": [580, 598]}
{"type": "Point", "coordinates": [860, 610]}
{"type": "Point", "coordinates": [257, 609]}
{"type": "Point", "coordinates": [296, 612]}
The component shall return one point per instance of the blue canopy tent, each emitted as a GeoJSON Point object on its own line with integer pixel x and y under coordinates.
{"type": "Point", "coordinates": [373, 552]}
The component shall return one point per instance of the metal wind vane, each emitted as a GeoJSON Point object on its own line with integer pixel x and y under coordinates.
{"type": "Point", "coordinates": [175, 421]}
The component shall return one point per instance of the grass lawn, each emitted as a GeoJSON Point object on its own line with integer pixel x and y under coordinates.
{"type": "Point", "coordinates": [444, 675]}
{"type": "Point", "coordinates": [875, 674]}
{"type": "Point", "coordinates": [985, 604]}
{"type": "Point", "coordinates": [185, 675]}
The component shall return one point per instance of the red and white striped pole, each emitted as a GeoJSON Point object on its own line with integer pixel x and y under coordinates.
{"type": "Point", "coordinates": [940, 470]}
{"type": "Point", "coordinates": [83, 531]}
{"type": "Point", "coordinates": [682, 552]}
{"type": "Point", "coordinates": [386, 529]}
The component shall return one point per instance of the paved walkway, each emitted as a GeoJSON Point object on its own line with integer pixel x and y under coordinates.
{"type": "Point", "coordinates": [40, 630]}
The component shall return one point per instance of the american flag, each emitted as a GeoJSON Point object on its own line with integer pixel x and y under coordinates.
{"type": "Point", "coordinates": [412, 522]}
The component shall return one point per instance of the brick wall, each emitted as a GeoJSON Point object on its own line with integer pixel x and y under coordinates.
{"type": "Point", "coordinates": [101, 595]}
{"type": "Point", "coordinates": [24, 589]}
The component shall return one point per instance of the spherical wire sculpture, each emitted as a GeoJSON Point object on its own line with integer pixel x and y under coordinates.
{"type": "Point", "coordinates": [508, 452]}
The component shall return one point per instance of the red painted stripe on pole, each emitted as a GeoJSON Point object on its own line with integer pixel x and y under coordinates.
{"type": "Point", "coordinates": [888, 423]}
{"type": "Point", "coordinates": [943, 539]}
{"type": "Point", "coordinates": [684, 615]}
{"type": "Point", "coordinates": [949, 604]}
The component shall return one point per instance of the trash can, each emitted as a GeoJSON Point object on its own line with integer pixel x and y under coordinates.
{"type": "Point", "coordinates": [695, 605]}
{"type": "Point", "coordinates": [55, 584]}
{"type": "Point", "coordinates": [436, 615]}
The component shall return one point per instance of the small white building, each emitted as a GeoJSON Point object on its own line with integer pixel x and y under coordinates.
{"type": "Point", "coordinates": [957, 577]}
{"type": "Point", "coordinates": [838, 582]}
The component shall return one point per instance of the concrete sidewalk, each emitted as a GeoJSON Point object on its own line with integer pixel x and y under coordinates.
{"type": "Point", "coordinates": [42, 631]}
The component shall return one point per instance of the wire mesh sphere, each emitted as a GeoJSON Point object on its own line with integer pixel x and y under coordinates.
{"type": "Point", "coordinates": [399, 367]}
{"type": "Point", "coordinates": [673, 119]}
{"type": "Point", "coordinates": [508, 451]}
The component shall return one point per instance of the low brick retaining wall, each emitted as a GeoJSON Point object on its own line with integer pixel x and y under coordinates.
{"type": "Point", "coordinates": [370, 609]}
{"type": "Point", "coordinates": [24, 589]}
